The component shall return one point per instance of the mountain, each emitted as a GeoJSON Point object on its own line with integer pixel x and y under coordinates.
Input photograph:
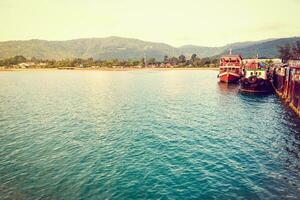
{"type": "Point", "coordinates": [98, 48]}
{"type": "Point", "coordinates": [216, 51]}
{"type": "Point", "coordinates": [125, 48]}
{"type": "Point", "coordinates": [268, 48]}
{"type": "Point", "coordinates": [201, 51]}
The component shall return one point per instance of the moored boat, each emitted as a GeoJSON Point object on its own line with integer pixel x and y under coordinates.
{"type": "Point", "coordinates": [256, 78]}
{"type": "Point", "coordinates": [286, 82]}
{"type": "Point", "coordinates": [230, 70]}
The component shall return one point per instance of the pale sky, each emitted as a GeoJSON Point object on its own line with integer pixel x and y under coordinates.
{"type": "Point", "coordinates": [198, 22]}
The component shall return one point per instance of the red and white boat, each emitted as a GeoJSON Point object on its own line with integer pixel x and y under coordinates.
{"type": "Point", "coordinates": [230, 70]}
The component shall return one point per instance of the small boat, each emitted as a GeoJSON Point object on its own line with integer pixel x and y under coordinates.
{"type": "Point", "coordinates": [256, 78]}
{"type": "Point", "coordinates": [230, 70]}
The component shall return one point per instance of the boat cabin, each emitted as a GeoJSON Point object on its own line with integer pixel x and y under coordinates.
{"type": "Point", "coordinates": [292, 85]}
{"type": "Point", "coordinates": [294, 66]}
{"type": "Point", "coordinates": [280, 70]}
{"type": "Point", "coordinates": [231, 63]}
{"type": "Point", "coordinates": [259, 73]}
{"type": "Point", "coordinates": [231, 60]}
{"type": "Point", "coordinates": [257, 69]}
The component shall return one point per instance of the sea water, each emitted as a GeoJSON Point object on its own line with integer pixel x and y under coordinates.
{"type": "Point", "coordinates": [143, 135]}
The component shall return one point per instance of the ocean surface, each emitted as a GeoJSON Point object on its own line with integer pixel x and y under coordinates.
{"type": "Point", "coordinates": [143, 135]}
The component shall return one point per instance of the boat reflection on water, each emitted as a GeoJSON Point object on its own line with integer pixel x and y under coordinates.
{"type": "Point", "coordinates": [226, 88]}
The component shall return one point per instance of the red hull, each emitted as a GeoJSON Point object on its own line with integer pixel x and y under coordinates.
{"type": "Point", "coordinates": [229, 77]}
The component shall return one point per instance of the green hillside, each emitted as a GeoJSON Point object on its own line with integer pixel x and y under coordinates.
{"type": "Point", "coordinates": [98, 48]}
{"type": "Point", "coordinates": [268, 49]}
{"type": "Point", "coordinates": [125, 48]}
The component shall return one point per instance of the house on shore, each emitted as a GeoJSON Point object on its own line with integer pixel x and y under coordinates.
{"type": "Point", "coordinates": [264, 60]}
{"type": "Point", "coordinates": [26, 65]}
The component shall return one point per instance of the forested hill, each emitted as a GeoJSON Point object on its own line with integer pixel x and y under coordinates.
{"type": "Point", "coordinates": [268, 49]}
{"type": "Point", "coordinates": [126, 48]}
{"type": "Point", "coordinates": [97, 48]}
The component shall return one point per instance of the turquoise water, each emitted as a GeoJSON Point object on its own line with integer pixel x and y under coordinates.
{"type": "Point", "coordinates": [143, 135]}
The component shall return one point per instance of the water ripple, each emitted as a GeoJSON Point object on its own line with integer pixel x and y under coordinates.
{"type": "Point", "coordinates": [143, 135]}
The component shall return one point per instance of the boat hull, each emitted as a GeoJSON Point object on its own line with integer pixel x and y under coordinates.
{"type": "Point", "coordinates": [229, 77]}
{"type": "Point", "coordinates": [259, 86]}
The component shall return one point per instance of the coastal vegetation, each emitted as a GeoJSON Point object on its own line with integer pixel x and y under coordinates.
{"type": "Point", "coordinates": [20, 61]}
{"type": "Point", "coordinates": [286, 52]}
{"type": "Point", "coordinates": [290, 51]}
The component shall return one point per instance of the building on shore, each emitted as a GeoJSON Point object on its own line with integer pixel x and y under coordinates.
{"type": "Point", "coordinates": [26, 65]}
{"type": "Point", "coordinates": [273, 60]}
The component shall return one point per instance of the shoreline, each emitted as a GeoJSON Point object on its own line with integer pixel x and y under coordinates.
{"type": "Point", "coordinates": [111, 69]}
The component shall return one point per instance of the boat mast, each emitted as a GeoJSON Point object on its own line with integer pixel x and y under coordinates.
{"type": "Point", "coordinates": [257, 65]}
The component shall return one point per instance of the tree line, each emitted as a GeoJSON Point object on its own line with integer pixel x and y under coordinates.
{"type": "Point", "coordinates": [180, 61]}
{"type": "Point", "coordinates": [286, 52]}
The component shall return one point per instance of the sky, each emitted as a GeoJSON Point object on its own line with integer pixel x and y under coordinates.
{"type": "Point", "coordinates": [197, 22]}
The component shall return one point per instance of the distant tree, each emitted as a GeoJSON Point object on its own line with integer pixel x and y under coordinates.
{"type": "Point", "coordinates": [116, 62]}
{"type": "Point", "coordinates": [192, 60]}
{"type": "Point", "coordinates": [125, 63]}
{"type": "Point", "coordinates": [193, 57]}
{"type": "Point", "coordinates": [181, 59]}
{"type": "Point", "coordinates": [18, 59]}
{"type": "Point", "coordinates": [107, 63]}
{"type": "Point", "coordinates": [215, 62]}
{"type": "Point", "coordinates": [99, 63]}
{"type": "Point", "coordinates": [52, 62]}
{"type": "Point", "coordinates": [135, 63]}
{"type": "Point", "coordinates": [151, 61]}
{"type": "Point", "coordinates": [34, 59]}
{"type": "Point", "coordinates": [285, 53]}
{"type": "Point", "coordinates": [13, 61]}
{"type": "Point", "coordinates": [166, 59]}
{"type": "Point", "coordinates": [296, 50]}
{"type": "Point", "coordinates": [89, 62]}
{"type": "Point", "coordinates": [269, 62]}
{"type": "Point", "coordinates": [202, 62]}
{"type": "Point", "coordinates": [197, 62]}
{"type": "Point", "coordinates": [143, 62]}
{"type": "Point", "coordinates": [174, 61]}
{"type": "Point", "coordinates": [76, 62]}
{"type": "Point", "coordinates": [129, 63]}
{"type": "Point", "coordinates": [206, 61]}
